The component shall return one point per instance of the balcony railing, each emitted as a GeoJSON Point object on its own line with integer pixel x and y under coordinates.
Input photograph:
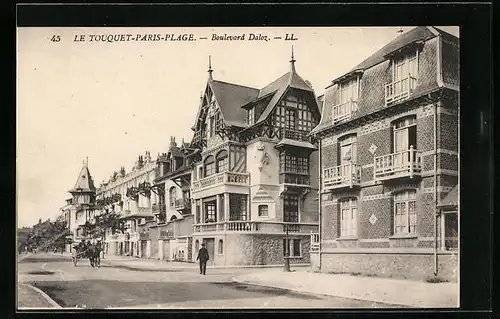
{"type": "Point", "coordinates": [182, 203]}
{"type": "Point", "coordinates": [401, 164]}
{"type": "Point", "coordinates": [399, 90]}
{"type": "Point", "coordinates": [346, 175]}
{"type": "Point", "coordinates": [221, 178]}
{"type": "Point", "coordinates": [255, 226]}
{"type": "Point", "coordinates": [344, 111]}
{"type": "Point", "coordinates": [294, 134]}
{"type": "Point", "coordinates": [294, 178]}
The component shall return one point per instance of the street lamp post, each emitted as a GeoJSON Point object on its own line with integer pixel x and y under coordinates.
{"type": "Point", "coordinates": [287, 250]}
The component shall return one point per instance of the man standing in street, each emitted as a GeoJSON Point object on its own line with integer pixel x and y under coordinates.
{"type": "Point", "coordinates": [203, 258]}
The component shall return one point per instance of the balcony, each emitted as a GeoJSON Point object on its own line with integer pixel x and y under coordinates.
{"type": "Point", "coordinates": [256, 226]}
{"type": "Point", "coordinates": [399, 90]}
{"type": "Point", "coordinates": [157, 209]}
{"type": "Point", "coordinates": [344, 111]}
{"type": "Point", "coordinates": [182, 203]}
{"type": "Point", "coordinates": [294, 179]}
{"type": "Point", "coordinates": [294, 134]}
{"type": "Point", "coordinates": [231, 178]}
{"type": "Point", "coordinates": [405, 164]}
{"type": "Point", "coordinates": [346, 175]}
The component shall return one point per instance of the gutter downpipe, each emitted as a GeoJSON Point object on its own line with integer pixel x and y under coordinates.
{"type": "Point", "coordinates": [320, 196]}
{"type": "Point", "coordinates": [440, 83]}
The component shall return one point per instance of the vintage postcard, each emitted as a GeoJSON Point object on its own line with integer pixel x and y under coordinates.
{"type": "Point", "coordinates": [243, 167]}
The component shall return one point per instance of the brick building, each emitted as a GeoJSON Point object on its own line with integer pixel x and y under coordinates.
{"type": "Point", "coordinates": [388, 141]}
{"type": "Point", "coordinates": [252, 177]}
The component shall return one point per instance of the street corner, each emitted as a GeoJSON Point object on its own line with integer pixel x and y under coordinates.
{"type": "Point", "coordinates": [31, 297]}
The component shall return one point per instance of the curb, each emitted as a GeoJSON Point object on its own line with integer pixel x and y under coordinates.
{"type": "Point", "coordinates": [44, 295]}
{"type": "Point", "coordinates": [234, 279]}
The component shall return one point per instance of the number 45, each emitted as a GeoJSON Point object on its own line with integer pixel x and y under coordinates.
{"type": "Point", "coordinates": [56, 38]}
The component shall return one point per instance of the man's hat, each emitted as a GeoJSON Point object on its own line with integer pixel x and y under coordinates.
{"type": "Point", "coordinates": [203, 244]}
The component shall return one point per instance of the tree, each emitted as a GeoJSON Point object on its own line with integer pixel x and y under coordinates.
{"type": "Point", "coordinates": [102, 222]}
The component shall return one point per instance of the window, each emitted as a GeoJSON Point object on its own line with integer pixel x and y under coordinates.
{"type": "Point", "coordinates": [198, 212]}
{"type": "Point", "coordinates": [349, 90]}
{"type": "Point", "coordinates": [222, 161]}
{"type": "Point", "coordinates": [292, 112]}
{"type": "Point", "coordinates": [348, 149]}
{"type": "Point", "coordinates": [210, 212]}
{"type": "Point", "coordinates": [405, 66]}
{"type": "Point", "coordinates": [405, 215]}
{"type": "Point", "coordinates": [220, 249]}
{"type": "Point", "coordinates": [291, 208]}
{"type": "Point", "coordinates": [172, 195]}
{"type": "Point", "coordinates": [450, 230]}
{"type": "Point", "coordinates": [237, 207]}
{"type": "Point", "coordinates": [405, 134]}
{"type": "Point", "coordinates": [263, 211]}
{"type": "Point", "coordinates": [209, 165]}
{"type": "Point", "coordinates": [294, 247]}
{"type": "Point", "coordinates": [348, 217]}
{"type": "Point", "coordinates": [196, 245]}
{"type": "Point", "coordinates": [290, 118]}
{"type": "Point", "coordinates": [251, 116]}
{"type": "Point", "coordinates": [294, 163]}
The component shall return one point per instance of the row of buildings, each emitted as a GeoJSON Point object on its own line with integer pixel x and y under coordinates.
{"type": "Point", "coordinates": [362, 178]}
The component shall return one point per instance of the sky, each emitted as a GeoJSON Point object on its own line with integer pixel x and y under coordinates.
{"type": "Point", "coordinates": [112, 101]}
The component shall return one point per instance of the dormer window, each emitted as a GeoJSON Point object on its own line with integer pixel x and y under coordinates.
{"type": "Point", "coordinates": [404, 77]}
{"type": "Point", "coordinates": [348, 100]}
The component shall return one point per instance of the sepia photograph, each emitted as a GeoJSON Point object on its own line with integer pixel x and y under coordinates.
{"type": "Point", "coordinates": [238, 167]}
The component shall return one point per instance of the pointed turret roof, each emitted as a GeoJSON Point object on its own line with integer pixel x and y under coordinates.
{"type": "Point", "coordinates": [84, 182]}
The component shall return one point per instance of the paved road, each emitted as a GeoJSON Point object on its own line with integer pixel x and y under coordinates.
{"type": "Point", "coordinates": [116, 286]}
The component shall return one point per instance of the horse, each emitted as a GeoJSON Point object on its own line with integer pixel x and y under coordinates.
{"type": "Point", "coordinates": [95, 254]}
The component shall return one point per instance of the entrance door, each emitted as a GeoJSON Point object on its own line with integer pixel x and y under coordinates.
{"type": "Point", "coordinates": [210, 244]}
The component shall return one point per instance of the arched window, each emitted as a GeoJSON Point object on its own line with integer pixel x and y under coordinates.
{"type": "Point", "coordinates": [221, 247]}
{"type": "Point", "coordinates": [172, 195]}
{"type": "Point", "coordinates": [222, 161]}
{"type": "Point", "coordinates": [209, 165]}
{"type": "Point", "coordinates": [348, 149]}
{"type": "Point", "coordinates": [173, 218]}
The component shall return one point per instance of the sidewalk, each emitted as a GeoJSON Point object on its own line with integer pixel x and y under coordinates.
{"type": "Point", "coordinates": [30, 297]}
{"type": "Point", "coordinates": [155, 264]}
{"type": "Point", "coordinates": [390, 291]}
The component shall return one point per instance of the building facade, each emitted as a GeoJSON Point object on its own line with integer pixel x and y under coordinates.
{"type": "Point", "coordinates": [130, 195]}
{"type": "Point", "coordinates": [253, 179]}
{"type": "Point", "coordinates": [80, 207]}
{"type": "Point", "coordinates": [388, 141]}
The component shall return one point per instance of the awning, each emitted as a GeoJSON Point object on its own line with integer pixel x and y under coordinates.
{"type": "Point", "coordinates": [450, 200]}
{"type": "Point", "coordinates": [301, 144]}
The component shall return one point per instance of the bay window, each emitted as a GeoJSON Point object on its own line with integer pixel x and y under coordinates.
{"type": "Point", "coordinates": [237, 207]}
{"type": "Point", "coordinates": [222, 161]}
{"type": "Point", "coordinates": [291, 208]}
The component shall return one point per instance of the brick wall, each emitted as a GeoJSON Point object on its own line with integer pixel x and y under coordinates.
{"type": "Point", "coordinates": [448, 129]}
{"type": "Point", "coordinates": [425, 133]}
{"type": "Point", "coordinates": [425, 214]}
{"type": "Point", "coordinates": [382, 210]}
{"type": "Point", "coordinates": [329, 216]}
{"type": "Point", "coordinates": [382, 139]}
{"type": "Point", "coordinates": [329, 155]}
{"type": "Point", "coordinates": [451, 64]}
{"type": "Point", "coordinates": [447, 161]}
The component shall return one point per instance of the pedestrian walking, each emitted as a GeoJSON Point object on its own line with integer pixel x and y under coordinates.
{"type": "Point", "coordinates": [203, 258]}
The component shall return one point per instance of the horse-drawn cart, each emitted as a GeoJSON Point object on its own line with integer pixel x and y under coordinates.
{"type": "Point", "coordinates": [77, 254]}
